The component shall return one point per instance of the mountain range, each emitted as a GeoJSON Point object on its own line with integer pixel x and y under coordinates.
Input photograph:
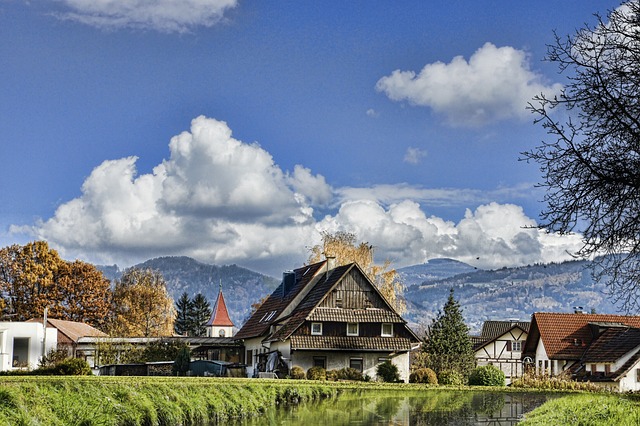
{"type": "Point", "coordinates": [502, 294]}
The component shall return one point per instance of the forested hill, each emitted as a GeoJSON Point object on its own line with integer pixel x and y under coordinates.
{"type": "Point", "coordinates": [507, 293]}
{"type": "Point", "coordinates": [241, 287]}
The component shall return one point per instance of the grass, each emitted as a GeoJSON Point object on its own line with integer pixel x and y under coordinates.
{"type": "Point", "coordinates": [148, 401]}
{"type": "Point", "coordinates": [587, 409]}
{"type": "Point", "coordinates": [156, 401]}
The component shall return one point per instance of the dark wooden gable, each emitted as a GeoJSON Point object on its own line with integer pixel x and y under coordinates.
{"type": "Point", "coordinates": [354, 291]}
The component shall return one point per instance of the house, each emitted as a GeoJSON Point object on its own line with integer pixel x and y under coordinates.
{"type": "Point", "coordinates": [69, 334]}
{"type": "Point", "coordinates": [23, 344]}
{"type": "Point", "coordinates": [595, 347]}
{"type": "Point", "coordinates": [326, 316]}
{"type": "Point", "coordinates": [220, 325]}
{"type": "Point", "coordinates": [500, 344]}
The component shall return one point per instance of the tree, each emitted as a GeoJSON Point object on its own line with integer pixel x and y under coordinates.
{"type": "Point", "coordinates": [84, 294]}
{"type": "Point", "coordinates": [447, 345]}
{"type": "Point", "coordinates": [182, 362]}
{"type": "Point", "coordinates": [342, 245]}
{"type": "Point", "coordinates": [200, 315]}
{"type": "Point", "coordinates": [591, 164]}
{"type": "Point", "coordinates": [141, 305]}
{"type": "Point", "coordinates": [34, 277]}
{"type": "Point", "coordinates": [184, 307]}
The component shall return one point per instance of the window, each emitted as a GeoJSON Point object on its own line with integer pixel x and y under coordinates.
{"type": "Point", "coordinates": [352, 329]}
{"type": "Point", "coordinates": [249, 360]}
{"type": "Point", "coordinates": [516, 346]}
{"type": "Point", "coordinates": [21, 352]}
{"type": "Point", "coordinates": [387, 329]}
{"type": "Point", "coordinates": [316, 328]}
{"type": "Point", "coordinates": [320, 361]}
{"type": "Point", "coordinates": [221, 332]}
{"type": "Point", "coordinates": [607, 368]}
{"type": "Point", "coordinates": [638, 375]}
{"type": "Point", "coordinates": [356, 363]}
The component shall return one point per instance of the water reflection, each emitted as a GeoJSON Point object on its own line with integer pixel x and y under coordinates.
{"type": "Point", "coordinates": [408, 408]}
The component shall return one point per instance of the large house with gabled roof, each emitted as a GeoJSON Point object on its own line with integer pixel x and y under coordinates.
{"type": "Point", "coordinates": [326, 316]}
{"type": "Point", "coordinates": [599, 348]}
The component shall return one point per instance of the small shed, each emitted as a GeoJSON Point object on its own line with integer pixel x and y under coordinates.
{"type": "Point", "coordinates": [217, 369]}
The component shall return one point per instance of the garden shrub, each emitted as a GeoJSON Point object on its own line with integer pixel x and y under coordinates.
{"type": "Point", "coordinates": [332, 375]}
{"type": "Point", "coordinates": [451, 378]}
{"type": "Point", "coordinates": [562, 382]}
{"type": "Point", "coordinates": [424, 375]}
{"type": "Point", "coordinates": [388, 372]}
{"type": "Point", "coordinates": [68, 367]}
{"type": "Point", "coordinates": [297, 373]}
{"type": "Point", "coordinates": [488, 375]}
{"type": "Point", "coordinates": [317, 373]}
{"type": "Point", "coordinates": [350, 374]}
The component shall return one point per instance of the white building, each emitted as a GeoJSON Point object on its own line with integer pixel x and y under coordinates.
{"type": "Point", "coordinates": [22, 344]}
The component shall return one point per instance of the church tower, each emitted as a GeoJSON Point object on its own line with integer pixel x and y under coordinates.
{"type": "Point", "coordinates": [220, 325]}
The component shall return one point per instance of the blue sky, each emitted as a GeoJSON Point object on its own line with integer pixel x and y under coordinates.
{"type": "Point", "coordinates": [236, 132]}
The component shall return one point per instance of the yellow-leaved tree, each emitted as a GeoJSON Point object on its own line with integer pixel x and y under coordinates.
{"type": "Point", "coordinates": [343, 246]}
{"type": "Point", "coordinates": [142, 307]}
{"type": "Point", "coordinates": [34, 277]}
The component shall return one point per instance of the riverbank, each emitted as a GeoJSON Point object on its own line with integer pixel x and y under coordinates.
{"type": "Point", "coordinates": [200, 401]}
{"type": "Point", "coordinates": [146, 400]}
{"type": "Point", "coordinates": [601, 409]}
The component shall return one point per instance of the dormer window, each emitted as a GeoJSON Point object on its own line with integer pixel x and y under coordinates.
{"type": "Point", "coordinates": [316, 329]}
{"type": "Point", "coordinates": [387, 329]}
{"type": "Point", "coordinates": [352, 329]}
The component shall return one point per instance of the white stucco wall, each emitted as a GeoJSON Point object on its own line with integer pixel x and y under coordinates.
{"type": "Point", "coordinates": [336, 360]}
{"type": "Point", "coordinates": [630, 381]}
{"type": "Point", "coordinates": [34, 333]}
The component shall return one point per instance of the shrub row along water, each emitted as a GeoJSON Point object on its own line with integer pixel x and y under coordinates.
{"type": "Point", "coordinates": [145, 401]}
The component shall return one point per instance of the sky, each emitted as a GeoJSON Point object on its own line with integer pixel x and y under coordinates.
{"type": "Point", "coordinates": [237, 132]}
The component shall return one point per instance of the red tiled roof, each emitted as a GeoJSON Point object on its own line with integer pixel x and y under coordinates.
{"type": "Point", "coordinates": [612, 344]}
{"type": "Point", "coordinates": [220, 314]}
{"type": "Point", "coordinates": [566, 335]}
{"type": "Point", "coordinates": [351, 343]}
{"type": "Point", "coordinates": [74, 330]}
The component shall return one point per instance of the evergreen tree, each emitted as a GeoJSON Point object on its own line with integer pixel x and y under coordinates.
{"type": "Point", "coordinates": [184, 308]}
{"type": "Point", "coordinates": [201, 312]}
{"type": "Point", "coordinates": [448, 345]}
{"type": "Point", "coordinates": [182, 362]}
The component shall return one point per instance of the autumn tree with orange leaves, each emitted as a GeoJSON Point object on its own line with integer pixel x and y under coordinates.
{"type": "Point", "coordinates": [34, 277]}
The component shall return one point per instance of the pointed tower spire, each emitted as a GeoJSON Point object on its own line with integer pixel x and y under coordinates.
{"type": "Point", "coordinates": [219, 313]}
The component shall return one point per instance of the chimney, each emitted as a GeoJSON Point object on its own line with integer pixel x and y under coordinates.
{"type": "Point", "coordinates": [578, 310]}
{"type": "Point", "coordinates": [288, 281]}
{"type": "Point", "coordinates": [331, 262]}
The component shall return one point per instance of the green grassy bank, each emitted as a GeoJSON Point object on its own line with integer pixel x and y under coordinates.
{"type": "Point", "coordinates": [587, 409]}
{"type": "Point", "coordinates": [145, 400]}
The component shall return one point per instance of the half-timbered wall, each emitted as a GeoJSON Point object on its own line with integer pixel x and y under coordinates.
{"type": "Point", "coordinates": [353, 292]}
{"type": "Point", "coordinates": [503, 353]}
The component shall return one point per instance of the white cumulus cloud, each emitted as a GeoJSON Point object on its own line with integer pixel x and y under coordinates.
{"type": "Point", "coordinates": [495, 84]}
{"type": "Point", "coordinates": [160, 15]}
{"type": "Point", "coordinates": [224, 201]}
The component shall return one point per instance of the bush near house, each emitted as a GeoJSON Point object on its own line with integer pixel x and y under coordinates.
{"type": "Point", "coordinates": [487, 375]}
{"type": "Point", "coordinates": [451, 378]}
{"type": "Point", "coordinates": [66, 367]}
{"type": "Point", "coordinates": [297, 373]}
{"type": "Point", "coordinates": [345, 374]}
{"type": "Point", "coordinates": [424, 375]}
{"type": "Point", "coordinates": [317, 373]}
{"type": "Point", "coordinates": [388, 372]}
